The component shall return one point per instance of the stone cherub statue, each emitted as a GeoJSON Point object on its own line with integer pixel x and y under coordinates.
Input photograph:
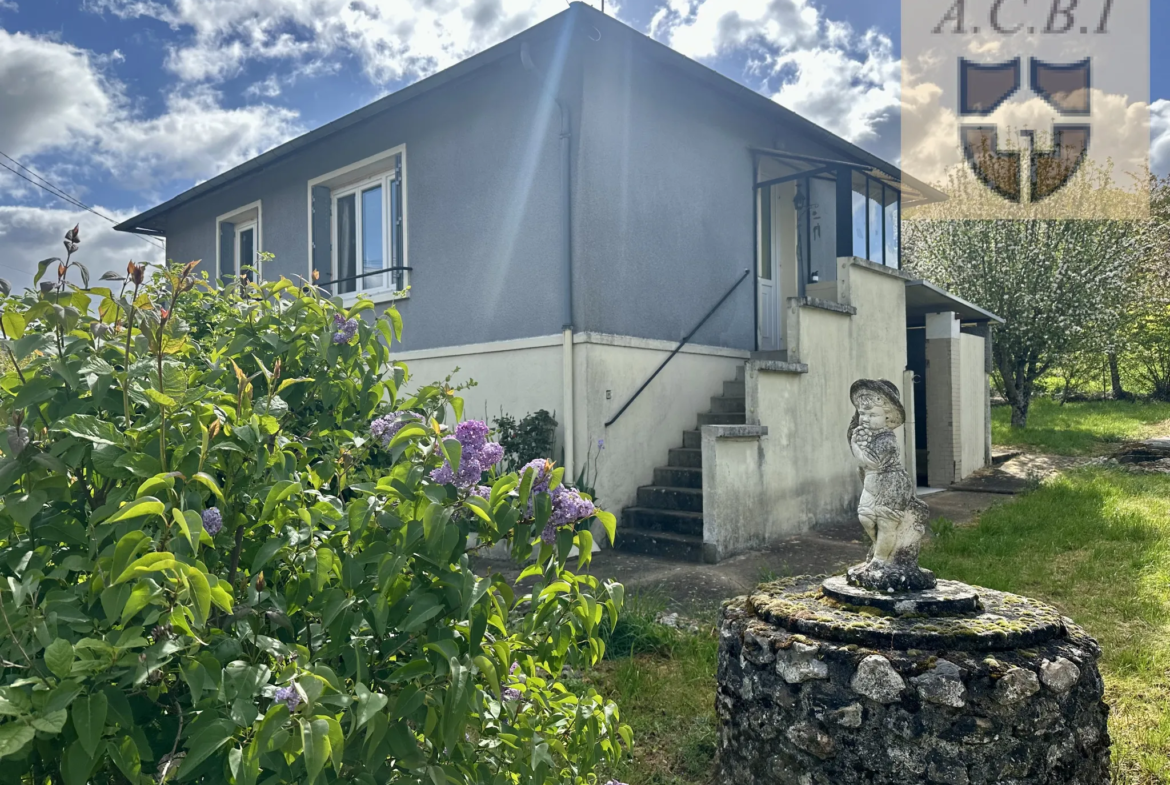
{"type": "Point", "coordinates": [890, 512]}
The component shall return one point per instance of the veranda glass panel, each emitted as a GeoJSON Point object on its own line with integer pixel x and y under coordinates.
{"type": "Point", "coordinates": [765, 270]}
{"type": "Point", "coordinates": [372, 225]}
{"type": "Point", "coordinates": [346, 243]}
{"type": "Point", "coordinates": [874, 205]}
{"type": "Point", "coordinates": [893, 228]}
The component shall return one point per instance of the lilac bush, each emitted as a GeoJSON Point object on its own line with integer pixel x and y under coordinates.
{"type": "Point", "coordinates": [343, 329]}
{"type": "Point", "coordinates": [385, 427]}
{"type": "Point", "coordinates": [212, 521]}
{"type": "Point", "coordinates": [478, 455]}
{"type": "Point", "coordinates": [568, 505]}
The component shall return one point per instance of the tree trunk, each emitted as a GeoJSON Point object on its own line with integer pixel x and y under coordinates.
{"type": "Point", "coordinates": [1119, 393]}
{"type": "Point", "coordinates": [1020, 412]}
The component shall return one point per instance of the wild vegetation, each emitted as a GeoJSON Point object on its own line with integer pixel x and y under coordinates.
{"type": "Point", "coordinates": [235, 551]}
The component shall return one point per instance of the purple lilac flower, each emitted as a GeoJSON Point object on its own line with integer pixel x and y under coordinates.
{"type": "Point", "coordinates": [515, 667]}
{"type": "Point", "coordinates": [615, 782]}
{"type": "Point", "coordinates": [343, 329]}
{"type": "Point", "coordinates": [385, 427]}
{"type": "Point", "coordinates": [289, 697]}
{"type": "Point", "coordinates": [478, 455]}
{"type": "Point", "coordinates": [568, 505]}
{"type": "Point", "coordinates": [600, 444]}
{"type": "Point", "coordinates": [511, 694]}
{"type": "Point", "coordinates": [212, 521]}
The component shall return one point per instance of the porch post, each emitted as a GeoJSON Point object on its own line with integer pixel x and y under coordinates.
{"type": "Point", "coordinates": [844, 212]}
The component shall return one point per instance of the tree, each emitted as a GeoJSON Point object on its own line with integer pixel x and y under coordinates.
{"type": "Point", "coordinates": [1060, 284]}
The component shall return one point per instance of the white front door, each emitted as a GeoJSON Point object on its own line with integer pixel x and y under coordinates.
{"type": "Point", "coordinates": [768, 273]}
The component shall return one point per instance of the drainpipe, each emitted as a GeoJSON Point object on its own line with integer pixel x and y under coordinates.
{"type": "Point", "coordinates": [567, 380]}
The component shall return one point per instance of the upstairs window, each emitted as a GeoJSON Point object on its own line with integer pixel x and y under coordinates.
{"type": "Point", "coordinates": [357, 228]}
{"type": "Point", "coordinates": [238, 248]}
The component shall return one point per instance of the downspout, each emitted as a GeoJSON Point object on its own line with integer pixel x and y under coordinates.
{"type": "Point", "coordinates": [567, 368]}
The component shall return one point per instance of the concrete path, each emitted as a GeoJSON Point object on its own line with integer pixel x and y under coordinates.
{"type": "Point", "coordinates": [697, 589]}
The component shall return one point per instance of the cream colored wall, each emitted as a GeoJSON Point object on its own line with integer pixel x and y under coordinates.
{"type": "Point", "coordinates": [520, 377]}
{"type": "Point", "coordinates": [975, 392]}
{"type": "Point", "coordinates": [515, 377]}
{"type": "Point", "coordinates": [640, 439]}
{"type": "Point", "coordinates": [801, 472]}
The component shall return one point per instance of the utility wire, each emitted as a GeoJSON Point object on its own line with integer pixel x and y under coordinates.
{"type": "Point", "coordinates": [63, 195]}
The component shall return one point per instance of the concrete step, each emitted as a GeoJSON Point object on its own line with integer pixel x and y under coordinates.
{"type": "Point", "coordinates": [691, 457]}
{"type": "Point", "coordinates": [692, 440]}
{"type": "Point", "coordinates": [678, 477]}
{"type": "Point", "coordinates": [722, 418]}
{"type": "Point", "coordinates": [676, 521]}
{"type": "Point", "coordinates": [663, 545]}
{"type": "Point", "coordinates": [727, 404]}
{"type": "Point", "coordinates": [734, 389]}
{"type": "Point", "coordinates": [666, 498]}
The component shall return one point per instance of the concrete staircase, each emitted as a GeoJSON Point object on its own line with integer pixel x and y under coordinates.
{"type": "Point", "coordinates": [667, 519]}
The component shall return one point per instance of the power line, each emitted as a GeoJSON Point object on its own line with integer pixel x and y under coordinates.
{"type": "Point", "coordinates": [63, 195]}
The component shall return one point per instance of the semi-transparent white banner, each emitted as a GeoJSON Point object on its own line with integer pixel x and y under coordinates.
{"type": "Point", "coordinates": [1028, 108]}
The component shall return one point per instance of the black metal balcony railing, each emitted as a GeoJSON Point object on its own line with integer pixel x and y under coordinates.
{"type": "Point", "coordinates": [396, 272]}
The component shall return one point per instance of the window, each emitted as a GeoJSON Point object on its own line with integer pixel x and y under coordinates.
{"type": "Point", "coordinates": [238, 251]}
{"type": "Point", "coordinates": [357, 228]}
{"type": "Point", "coordinates": [877, 214]}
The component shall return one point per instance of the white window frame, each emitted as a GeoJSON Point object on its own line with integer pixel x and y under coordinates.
{"type": "Point", "coordinates": [378, 169]}
{"type": "Point", "coordinates": [256, 223]}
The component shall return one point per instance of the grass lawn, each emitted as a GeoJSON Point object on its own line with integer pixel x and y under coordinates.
{"type": "Point", "coordinates": [1095, 543]}
{"type": "Point", "coordinates": [1079, 428]}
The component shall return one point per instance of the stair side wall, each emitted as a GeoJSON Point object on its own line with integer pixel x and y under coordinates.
{"type": "Point", "coordinates": [802, 472]}
{"type": "Point", "coordinates": [643, 436]}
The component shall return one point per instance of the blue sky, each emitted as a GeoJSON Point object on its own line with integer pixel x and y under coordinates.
{"type": "Point", "coordinates": [124, 103]}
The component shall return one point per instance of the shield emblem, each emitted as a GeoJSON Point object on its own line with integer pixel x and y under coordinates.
{"type": "Point", "coordinates": [983, 87]}
{"type": "Point", "coordinates": [1065, 87]}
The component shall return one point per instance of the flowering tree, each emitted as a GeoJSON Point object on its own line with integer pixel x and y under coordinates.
{"type": "Point", "coordinates": [1061, 285]}
{"type": "Point", "coordinates": [234, 552]}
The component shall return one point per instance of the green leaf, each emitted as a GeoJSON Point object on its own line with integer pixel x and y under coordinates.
{"type": "Point", "coordinates": [76, 765]}
{"type": "Point", "coordinates": [200, 593]}
{"type": "Point", "coordinates": [42, 266]}
{"type": "Point", "coordinates": [162, 399]}
{"type": "Point", "coordinates": [147, 505]}
{"type": "Point", "coordinates": [280, 491]}
{"type": "Point", "coordinates": [36, 391]}
{"type": "Point", "coordinates": [157, 483]}
{"type": "Point", "coordinates": [155, 561]}
{"type": "Point", "coordinates": [190, 523]}
{"type": "Point", "coordinates": [13, 702]}
{"type": "Point", "coordinates": [222, 597]}
{"type": "Point", "coordinates": [139, 598]}
{"type": "Point", "coordinates": [13, 737]}
{"type": "Point", "coordinates": [124, 753]}
{"type": "Point", "coordinates": [89, 719]}
{"type": "Point", "coordinates": [289, 382]}
{"type": "Point", "coordinates": [51, 722]}
{"type": "Point", "coordinates": [422, 610]}
{"type": "Point", "coordinates": [13, 325]}
{"type": "Point", "coordinates": [209, 481]}
{"type": "Point", "coordinates": [368, 704]}
{"type": "Point", "coordinates": [609, 522]}
{"type": "Point", "coordinates": [315, 740]}
{"type": "Point", "coordinates": [126, 549]}
{"type": "Point", "coordinates": [24, 508]}
{"type": "Point", "coordinates": [203, 744]}
{"type": "Point", "coordinates": [453, 452]}
{"type": "Point", "coordinates": [59, 657]}
{"type": "Point", "coordinates": [91, 428]}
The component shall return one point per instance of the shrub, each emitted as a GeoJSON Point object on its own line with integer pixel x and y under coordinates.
{"type": "Point", "coordinates": [238, 554]}
{"type": "Point", "coordinates": [532, 436]}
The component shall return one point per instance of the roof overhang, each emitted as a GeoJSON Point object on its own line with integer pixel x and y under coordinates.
{"type": "Point", "coordinates": [914, 192]}
{"type": "Point", "coordinates": [923, 297]}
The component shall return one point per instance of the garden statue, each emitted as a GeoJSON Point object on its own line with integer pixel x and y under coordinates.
{"type": "Point", "coordinates": [890, 512]}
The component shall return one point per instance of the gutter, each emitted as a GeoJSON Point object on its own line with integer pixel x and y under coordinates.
{"type": "Point", "coordinates": [568, 382]}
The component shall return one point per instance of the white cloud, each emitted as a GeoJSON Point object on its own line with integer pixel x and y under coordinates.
{"type": "Point", "coordinates": [391, 39]}
{"type": "Point", "coordinates": [1160, 127]}
{"type": "Point", "coordinates": [57, 99]}
{"type": "Point", "coordinates": [847, 82]}
{"type": "Point", "coordinates": [29, 234]}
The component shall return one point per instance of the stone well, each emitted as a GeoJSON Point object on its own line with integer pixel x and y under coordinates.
{"type": "Point", "coordinates": [824, 683]}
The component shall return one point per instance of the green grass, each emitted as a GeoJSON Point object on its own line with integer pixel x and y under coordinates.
{"type": "Point", "coordinates": [1079, 428]}
{"type": "Point", "coordinates": [1096, 544]}
{"type": "Point", "coordinates": [663, 680]}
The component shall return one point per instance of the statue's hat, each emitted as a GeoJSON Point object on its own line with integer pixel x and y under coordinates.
{"type": "Point", "coordinates": [884, 389]}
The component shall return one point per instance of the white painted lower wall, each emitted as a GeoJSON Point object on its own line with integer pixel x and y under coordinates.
{"type": "Point", "coordinates": [522, 376]}
{"type": "Point", "coordinates": [641, 438]}
{"type": "Point", "coordinates": [759, 491]}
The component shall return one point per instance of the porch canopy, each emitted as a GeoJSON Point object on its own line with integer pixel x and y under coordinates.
{"type": "Point", "coordinates": [923, 298]}
{"type": "Point", "coordinates": [843, 208]}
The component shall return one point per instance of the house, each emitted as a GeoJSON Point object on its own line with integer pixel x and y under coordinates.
{"type": "Point", "coordinates": [587, 222]}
